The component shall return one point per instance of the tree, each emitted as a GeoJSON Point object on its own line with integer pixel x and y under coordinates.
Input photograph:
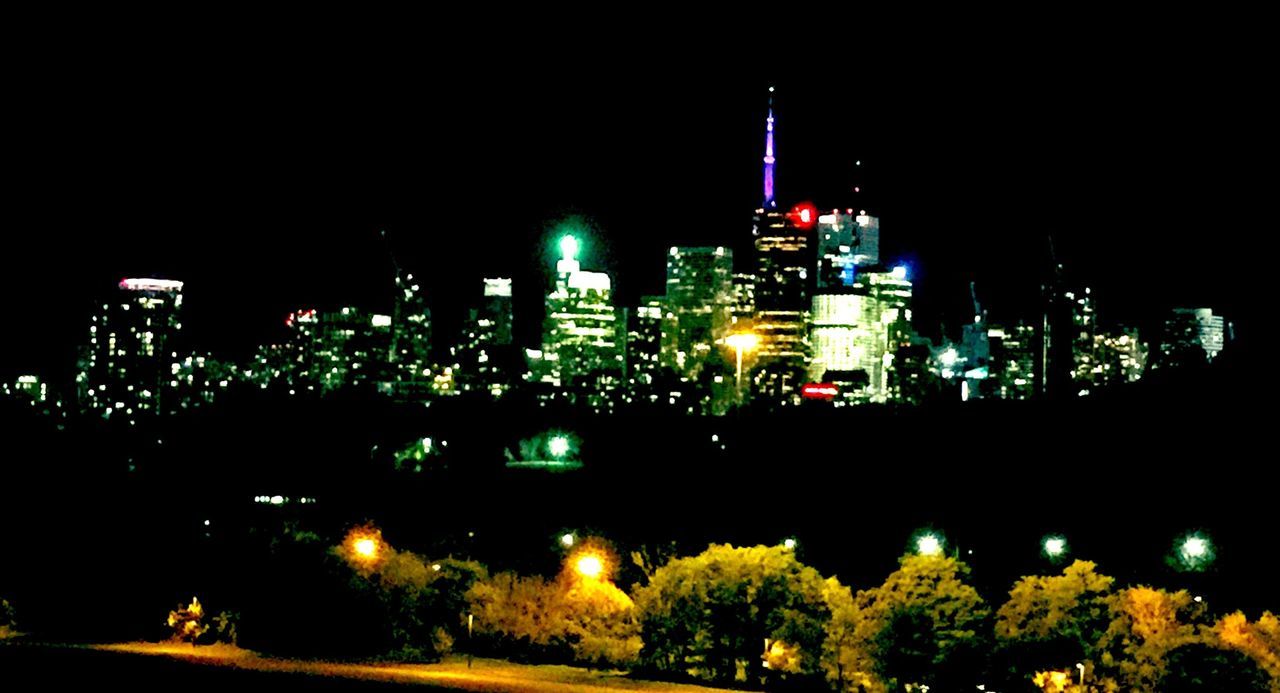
{"type": "Point", "coordinates": [922, 626]}
{"type": "Point", "coordinates": [8, 622]}
{"type": "Point", "coordinates": [567, 619]}
{"type": "Point", "coordinates": [1259, 640]}
{"type": "Point", "coordinates": [1146, 624]}
{"type": "Point", "coordinates": [187, 622]}
{"type": "Point", "coordinates": [708, 616]}
{"type": "Point", "coordinates": [1199, 667]}
{"type": "Point", "coordinates": [1051, 623]}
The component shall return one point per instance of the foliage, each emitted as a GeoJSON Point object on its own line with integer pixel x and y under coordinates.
{"type": "Point", "coordinates": [1049, 623]}
{"type": "Point", "coordinates": [568, 619]}
{"type": "Point", "coordinates": [8, 619]}
{"type": "Point", "coordinates": [1202, 667]}
{"type": "Point", "coordinates": [187, 623]}
{"type": "Point", "coordinates": [707, 616]}
{"type": "Point", "coordinates": [1259, 640]}
{"type": "Point", "coordinates": [1146, 624]}
{"type": "Point", "coordinates": [314, 600]}
{"type": "Point", "coordinates": [922, 626]}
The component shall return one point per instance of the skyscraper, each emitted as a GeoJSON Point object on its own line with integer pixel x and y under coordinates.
{"type": "Point", "coordinates": [410, 335]}
{"type": "Point", "coordinates": [1013, 360]}
{"type": "Point", "coordinates": [644, 346]}
{"type": "Point", "coordinates": [699, 300]}
{"type": "Point", "coordinates": [784, 261]}
{"type": "Point", "coordinates": [1191, 336]}
{"type": "Point", "coordinates": [580, 334]}
{"type": "Point", "coordinates": [845, 242]}
{"type": "Point", "coordinates": [486, 354]}
{"type": "Point", "coordinates": [125, 369]}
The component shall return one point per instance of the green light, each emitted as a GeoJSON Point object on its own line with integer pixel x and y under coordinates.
{"type": "Point", "coordinates": [569, 246]}
{"type": "Point", "coordinates": [929, 544]}
{"type": "Point", "coordinates": [1054, 547]}
{"type": "Point", "coordinates": [1193, 552]}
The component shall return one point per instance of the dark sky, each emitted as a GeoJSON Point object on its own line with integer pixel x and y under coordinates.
{"type": "Point", "coordinates": [260, 168]}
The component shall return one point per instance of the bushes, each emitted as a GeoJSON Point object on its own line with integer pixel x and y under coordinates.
{"type": "Point", "coordinates": [8, 620]}
{"type": "Point", "coordinates": [564, 620]}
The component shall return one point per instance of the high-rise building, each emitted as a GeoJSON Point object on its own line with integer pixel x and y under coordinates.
{"type": "Point", "coordinates": [580, 343]}
{"type": "Point", "coordinates": [845, 242]}
{"type": "Point", "coordinates": [644, 377]}
{"type": "Point", "coordinates": [349, 347]}
{"type": "Point", "coordinates": [487, 358]}
{"type": "Point", "coordinates": [196, 380]}
{"type": "Point", "coordinates": [410, 335]}
{"type": "Point", "coordinates": [124, 370]}
{"type": "Point", "coordinates": [783, 259]}
{"type": "Point", "coordinates": [849, 343]}
{"type": "Point", "coordinates": [1119, 357]}
{"type": "Point", "coordinates": [699, 300]}
{"type": "Point", "coordinates": [1013, 361]}
{"type": "Point", "coordinates": [1191, 336]}
{"type": "Point", "coordinates": [28, 387]}
{"type": "Point", "coordinates": [743, 312]}
{"type": "Point", "coordinates": [1084, 328]}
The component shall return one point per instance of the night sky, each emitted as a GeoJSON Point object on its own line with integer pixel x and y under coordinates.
{"type": "Point", "coordinates": [260, 170]}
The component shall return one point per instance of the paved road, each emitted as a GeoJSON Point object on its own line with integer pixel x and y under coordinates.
{"type": "Point", "coordinates": [38, 667]}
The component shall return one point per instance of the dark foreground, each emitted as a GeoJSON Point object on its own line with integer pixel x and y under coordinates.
{"type": "Point", "coordinates": [148, 667]}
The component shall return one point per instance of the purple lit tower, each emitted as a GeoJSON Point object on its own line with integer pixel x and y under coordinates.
{"type": "Point", "coordinates": [769, 202]}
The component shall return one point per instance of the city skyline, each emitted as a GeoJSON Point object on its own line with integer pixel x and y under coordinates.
{"type": "Point", "coordinates": [959, 212]}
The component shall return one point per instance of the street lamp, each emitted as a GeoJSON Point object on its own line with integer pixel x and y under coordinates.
{"type": "Point", "coordinates": [1054, 547]}
{"type": "Point", "coordinates": [789, 544]}
{"type": "Point", "coordinates": [558, 446]}
{"type": "Point", "coordinates": [567, 540]}
{"type": "Point", "coordinates": [366, 548]}
{"type": "Point", "coordinates": [929, 544]}
{"type": "Point", "coordinates": [589, 566]}
{"type": "Point", "coordinates": [1194, 552]}
{"type": "Point", "coordinates": [742, 341]}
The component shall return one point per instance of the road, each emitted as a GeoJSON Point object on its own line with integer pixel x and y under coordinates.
{"type": "Point", "coordinates": [150, 667]}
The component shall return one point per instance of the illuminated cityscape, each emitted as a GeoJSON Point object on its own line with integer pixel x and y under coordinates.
{"type": "Point", "coordinates": [530, 394]}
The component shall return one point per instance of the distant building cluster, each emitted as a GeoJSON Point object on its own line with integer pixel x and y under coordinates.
{"type": "Point", "coordinates": [815, 317]}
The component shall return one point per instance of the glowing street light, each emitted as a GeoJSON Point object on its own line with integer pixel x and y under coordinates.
{"type": "Point", "coordinates": [1194, 552]}
{"type": "Point", "coordinates": [1054, 547]}
{"type": "Point", "coordinates": [589, 566]}
{"type": "Point", "coordinates": [566, 540]}
{"type": "Point", "coordinates": [789, 544]}
{"type": "Point", "coordinates": [558, 446]}
{"type": "Point", "coordinates": [929, 544]}
{"type": "Point", "coordinates": [366, 548]}
{"type": "Point", "coordinates": [742, 341]}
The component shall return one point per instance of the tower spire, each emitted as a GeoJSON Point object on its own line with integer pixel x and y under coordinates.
{"type": "Point", "coordinates": [769, 202]}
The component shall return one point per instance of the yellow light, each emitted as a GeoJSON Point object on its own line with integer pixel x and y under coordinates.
{"type": "Point", "coordinates": [745, 341]}
{"type": "Point", "coordinates": [366, 548]}
{"type": "Point", "coordinates": [1052, 681]}
{"type": "Point", "coordinates": [589, 566]}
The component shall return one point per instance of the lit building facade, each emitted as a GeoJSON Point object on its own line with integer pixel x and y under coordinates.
{"type": "Point", "coordinates": [845, 242]}
{"type": "Point", "coordinates": [1191, 336]}
{"type": "Point", "coordinates": [783, 259]}
{"type": "Point", "coordinates": [486, 355]}
{"type": "Point", "coordinates": [699, 300]}
{"type": "Point", "coordinates": [580, 341]}
{"type": "Point", "coordinates": [125, 368]}
{"type": "Point", "coordinates": [1013, 361]}
{"type": "Point", "coordinates": [644, 369]}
